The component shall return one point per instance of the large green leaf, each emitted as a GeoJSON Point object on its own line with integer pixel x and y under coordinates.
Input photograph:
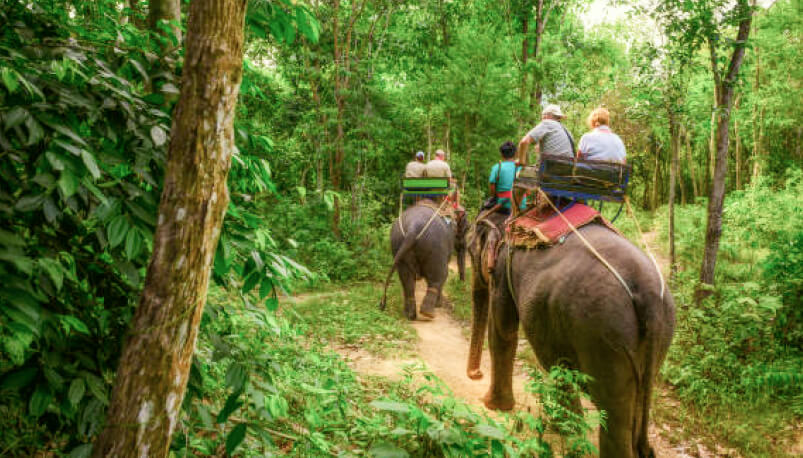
{"type": "Point", "coordinates": [232, 403]}
{"type": "Point", "coordinates": [387, 450]}
{"type": "Point", "coordinates": [68, 182]}
{"type": "Point", "coordinates": [117, 230]}
{"type": "Point", "coordinates": [76, 391]}
{"type": "Point", "coordinates": [133, 243]}
{"type": "Point", "coordinates": [235, 437]}
{"type": "Point", "coordinates": [39, 401]}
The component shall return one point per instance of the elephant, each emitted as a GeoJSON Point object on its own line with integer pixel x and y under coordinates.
{"type": "Point", "coordinates": [423, 249]}
{"type": "Point", "coordinates": [575, 312]}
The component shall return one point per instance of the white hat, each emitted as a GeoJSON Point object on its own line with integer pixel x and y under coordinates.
{"type": "Point", "coordinates": [440, 153]}
{"type": "Point", "coordinates": [419, 155]}
{"type": "Point", "coordinates": [553, 110]}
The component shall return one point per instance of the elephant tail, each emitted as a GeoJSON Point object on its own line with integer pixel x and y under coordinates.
{"type": "Point", "coordinates": [407, 245]}
{"type": "Point", "coordinates": [653, 353]}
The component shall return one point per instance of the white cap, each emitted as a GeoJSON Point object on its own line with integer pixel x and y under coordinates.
{"type": "Point", "coordinates": [553, 110]}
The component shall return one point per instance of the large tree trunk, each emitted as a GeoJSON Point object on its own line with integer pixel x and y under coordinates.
{"type": "Point", "coordinates": [155, 362]}
{"type": "Point", "coordinates": [717, 197]}
{"type": "Point", "coordinates": [165, 10]}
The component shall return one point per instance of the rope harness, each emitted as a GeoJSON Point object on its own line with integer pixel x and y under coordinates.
{"type": "Point", "coordinates": [508, 259]}
{"type": "Point", "coordinates": [646, 247]}
{"type": "Point", "coordinates": [436, 212]}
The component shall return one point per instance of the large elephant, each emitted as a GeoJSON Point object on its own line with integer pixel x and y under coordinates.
{"type": "Point", "coordinates": [575, 312]}
{"type": "Point", "coordinates": [423, 249]}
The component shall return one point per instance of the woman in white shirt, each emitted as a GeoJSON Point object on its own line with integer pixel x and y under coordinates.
{"type": "Point", "coordinates": [601, 144]}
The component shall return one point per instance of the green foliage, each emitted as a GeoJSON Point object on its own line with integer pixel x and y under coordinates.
{"type": "Point", "coordinates": [84, 131]}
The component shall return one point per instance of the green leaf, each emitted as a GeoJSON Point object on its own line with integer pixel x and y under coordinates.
{"type": "Point", "coordinates": [67, 132]}
{"type": "Point", "coordinates": [390, 406]}
{"type": "Point", "coordinates": [9, 77]}
{"type": "Point", "coordinates": [489, 431]}
{"type": "Point", "coordinates": [133, 244]}
{"type": "Point", "coordinates": [29, 203]}
{"type": "Point", "coordinates": [54, 271]}
{"type": "Point", "coordinates": [39, 401]}
{"type": "Point", "coordinates": [77, 390]}
{"type": "Point", "coordinates": [235, 437]}
{"type": "Point", "coordinates": [272, 304]}
{"type": "Point", "coordinates": [116, 230]}
{"type": "Point", "coordinates": [251, 281]}
{"type": "Point", "coordinates": [15, 117]}
{"type": "Point", "coordinates": [386, 450]}
{"type": "Point", "coordinates": [55, 161]}
{"type": "Point", "coordinates": [74, 323]}
{"type": "Point", "coordinates": [158, 135]}
{"type": "Point", "coordinates": [68, 183]}
{"type": "Point", "coordinates": [236, 377]}
{"type": "Point", "coordinates": [96, 387]}
{"type": "Point", "coordinates": [232, 403]}
{"type": "Point", "coordinates": [10, 239]}
{"type": "Point", "coordinates": [91, 165]}
{"type": "Point", "coordinates": [19, 379]}
{"type": "Point", "coordinates": [82, 451]}
{"type": "Point", "coordinates": [265, 288]}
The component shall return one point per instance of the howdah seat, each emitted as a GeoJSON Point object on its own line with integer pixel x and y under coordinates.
{"type": "Point", "coordinates": [577, 179]}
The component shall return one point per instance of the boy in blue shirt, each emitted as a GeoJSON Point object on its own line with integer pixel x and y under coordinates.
{"type": "Point", "coordinates": [502, 175]}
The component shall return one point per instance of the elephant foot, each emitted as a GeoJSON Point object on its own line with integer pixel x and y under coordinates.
{"type": "Point", "coordinates": [427, 310]}
{"type": "Point", "coordinates": [498, 402]}
{"type": "Point", "coordinates": [427, 316]}
{"type": "Point", "coordinates": [474, 374]}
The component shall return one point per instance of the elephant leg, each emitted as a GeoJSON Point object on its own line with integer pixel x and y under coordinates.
{"type": "Point", "coordinates": [431, 299]}
{"type": "Point", "coordinates": [407, 278]}
{"type": "Point", "coordinates": [503, 330]}
{"type": "Point", "coordinates": [618, 399]}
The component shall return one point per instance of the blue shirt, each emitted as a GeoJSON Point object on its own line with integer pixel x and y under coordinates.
{"type": "Point", "coordinates": [504, 179]}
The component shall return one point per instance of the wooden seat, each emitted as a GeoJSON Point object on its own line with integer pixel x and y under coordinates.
{"type": "Point", "coordinates": [577, 179]}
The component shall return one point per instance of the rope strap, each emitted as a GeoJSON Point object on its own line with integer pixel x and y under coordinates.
{"type": "Point", "coordinates": [435, 213]}
{"type": "Point", "coordinates": [588, 245]}
{"type": "Point", "coordinates": [646, 247]}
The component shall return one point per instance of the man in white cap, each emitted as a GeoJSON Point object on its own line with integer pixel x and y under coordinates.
{"type": "Point", "coordinates": [438, 166]}
{"type": "Point", "coordinates": [415, 169]}
{"type": "Point", "coordinates": [549, 134]}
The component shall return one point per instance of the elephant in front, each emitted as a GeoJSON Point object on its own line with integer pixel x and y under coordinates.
{"type": "Point", "coordinates": [575, 312]}
{"type": "Point", "coordinates": [422, 243]}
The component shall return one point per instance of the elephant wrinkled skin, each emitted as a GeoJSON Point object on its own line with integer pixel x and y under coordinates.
{"type": "Point", "coordinates": [426, 256]}
{"type": "Point", "coordinates": [575, 312]}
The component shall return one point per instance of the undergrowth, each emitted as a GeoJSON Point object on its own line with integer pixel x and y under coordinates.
{"type": "Point", "coordinates": [736, 357]}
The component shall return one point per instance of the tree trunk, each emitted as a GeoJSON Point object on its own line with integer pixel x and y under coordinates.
{"type": "Point", "coordinates": [165, 10]}
{"type": "Point", "coordinates": [692, 169]}
{"type": "Point", "coordinates": [654, 196]}
{"type": "Point", "coordinates": [738, 146]}
{"type": "Point", "coordinates": [673, 171]}
{"type": "Point", "coordinates": [717, 196]}
{"type": "Point", "coordinates": [756, 122]}
{"type": "Point", "coordinates": [155, 362]}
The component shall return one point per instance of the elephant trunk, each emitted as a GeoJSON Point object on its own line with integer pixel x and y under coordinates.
{"type": "Point", "coordinates": [479, 323]}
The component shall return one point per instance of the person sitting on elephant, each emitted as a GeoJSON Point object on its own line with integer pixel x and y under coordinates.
{"type": "Point", "coordinates": [550, 135]}
{"type": "Point", "coordinates": [415, 168]}
{"type": "Point", "coordinates": [438, 167]}
{"type": "Point", "coordinates": [502, 176]}
{"type": "Point", "coordinates": [601, 144]}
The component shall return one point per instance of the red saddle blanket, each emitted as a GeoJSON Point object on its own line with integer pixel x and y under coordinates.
{"type": "Point", "coordinates": [545, 227]}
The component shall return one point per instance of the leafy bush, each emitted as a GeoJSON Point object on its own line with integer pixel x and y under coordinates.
{"type": "Point", "coordinates": [742, 345]}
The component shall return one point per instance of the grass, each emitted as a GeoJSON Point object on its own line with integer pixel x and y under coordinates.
{"type": "Point", "coordinates": [349, 316]}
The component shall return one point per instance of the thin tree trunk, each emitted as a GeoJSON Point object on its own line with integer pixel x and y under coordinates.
{"type": "Point", "coordinates": [165, 10]}
{"type": "Point", "coordinates": [756, 121]}
{"type": "Point", "coordinates": [717, 197]}
{"type": "Point", "coordinates": [673, 170]}
{"type": "Point", "coordinates": [692, 169]}
{"type": "Point", "coordinates": [738, 145]}
{"type": "Point", "coordinates": [654, 197]}
{"type": "Point", "coordinates": [155, 363]}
